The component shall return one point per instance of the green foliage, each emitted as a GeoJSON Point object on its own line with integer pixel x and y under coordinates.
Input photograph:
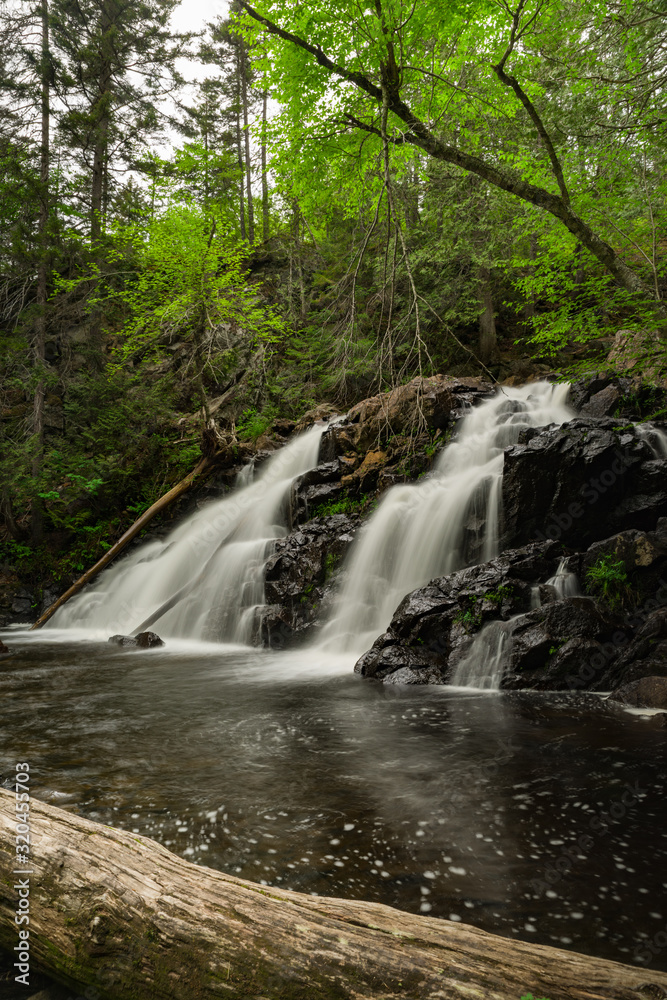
{"type": "Point", "coordinates": [608, 579]}
{"type": "Point", "coordinates": [346, 504]}
{"type": "Point", "coordinates": [499, 595]}
{"type": "Point", "coordinates": [252, 424]}
{"type": "Point", "coordinates": [470, 617]}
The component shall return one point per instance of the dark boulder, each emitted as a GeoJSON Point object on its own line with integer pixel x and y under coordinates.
{"type": "Point", "coordinates": [433, 626]}
{"type": "Point", "coordinates": [644, 558]}
{"type": "Point", "coordinates": [149, 640]}
{"type": "Point", "coordinates": [584, 389]}
{"type": "Point", "coordinates": [299, 575]}
{"type": "Point", "coordinates": [578, 481]}
{"type": "Point", "coordinates": [648, 692]}
{"type": "Point", "coordinates": [318, 486]}
{"type": "Point", "coordinates": [560, 646]}
{"type": "Point", "coordinates": [5, 651]}
{"type": "Point", "coordinates": [643, 646]}
{"type": "Point", "coordinates": [122, 640]}
{"type": "Point", "coordinates": [22, 605]}
{"type": "Point", "coordinates": [604, 403]}
{"type": "Point", "coordinates": [144, 640]}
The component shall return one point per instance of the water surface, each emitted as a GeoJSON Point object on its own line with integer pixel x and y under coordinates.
{"type": "Point", "coordinates": [285, 768]}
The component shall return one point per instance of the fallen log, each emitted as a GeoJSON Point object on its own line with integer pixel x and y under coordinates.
{"type": "Point", "coordinates": [203, 465]}
{"type": "Point", "coordinates": [124, 917]}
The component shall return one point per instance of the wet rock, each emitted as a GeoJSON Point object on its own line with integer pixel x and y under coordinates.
{"type": "Point", "coordinates": [644, 557]}
{"type": "Point", "coordinates": [365, 478]}
{"type": "Point", "coordinates": [603, 403]}
{"type": "Point", "coordinates": [556, 647]}
{"type": "Point", "coordinates": [122, 640]}
{"type": "Point", "coordinates": [648, 692]}
{"type": "Point", "coordinates": [299, 576]}
{"type": "Point", "coordinates": [149, 640]}
{"type": "Point", "coordinates": [21, 605]}
{"type": "Point", "coordinates": [583, 389]}
{"type": "Point", "coordinates": [5, 651]}
{"type": "Point", "coordinates": [577, 482]}
{"type": "Point", "coordinates": [49, 597]}
{"type": "Point", "coordinates": [144, 640]}
{"type": "Point", "coordinates": [642, 646]}
{"type": "Point", "coordinates": [433, 626]}
{"type": "Point", "coordinates": [318, 486]}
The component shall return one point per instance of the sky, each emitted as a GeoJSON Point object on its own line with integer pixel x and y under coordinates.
{"type": "Point", "coordinates": [193, 15]}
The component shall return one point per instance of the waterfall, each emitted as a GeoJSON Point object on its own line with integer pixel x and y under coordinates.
{"type": "Point", "coordinates": [482, 666]}
{"type": "Point", "coordinates": [564, 582]}
{"type": "Point", "coordinates": [655, 438]}
{"type": "Point", "coordinates": [448, 520]}
{"type": "Point", "coordinates": [209, 572]}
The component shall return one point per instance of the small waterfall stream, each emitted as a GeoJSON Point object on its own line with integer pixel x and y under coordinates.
{"type": "Point", "coordinates": [449, 520]}
{"type": "Point", "coordinates": [209, 572]}
{"type": "Point", "coordinates": [206, 579]}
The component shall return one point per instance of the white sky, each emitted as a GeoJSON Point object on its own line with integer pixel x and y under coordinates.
{"type": "Point", "coordinates": [193, 15]}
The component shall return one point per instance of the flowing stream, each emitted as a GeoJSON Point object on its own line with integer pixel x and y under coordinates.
{"type": "Point", "coordinates": [287, 769]}
{"type": "Point", "coordinates": [449, 520]}
{"type": "Point", "coordinates": [208, 574]}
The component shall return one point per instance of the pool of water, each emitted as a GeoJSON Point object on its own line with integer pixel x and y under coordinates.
{"type": "Point", "coordinates": [541, 817]}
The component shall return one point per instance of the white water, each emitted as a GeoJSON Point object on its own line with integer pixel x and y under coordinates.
{"type": "Point", "coordinates": [655, 438]}
{"type": "Point", "coordinates": [564, 582]}
{"type": "Point", "coordinates": [449, 520]}
{"type": "Point", "coordinates": [216, 558]}
{"type": "Point", "coordinates": [483, 665]}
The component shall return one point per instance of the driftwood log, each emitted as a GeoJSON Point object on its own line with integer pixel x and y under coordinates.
{"type": "Point", "coordinates": [127, 919]}
{"type": "Point", "coordinates": [206, 463]}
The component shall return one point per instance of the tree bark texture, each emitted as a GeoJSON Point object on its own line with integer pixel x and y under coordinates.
{"type": "Point", "coordinates": [239, 152]}
{"type": "Point", "coordinates": [246, 131]}
{"type": "Point", "coordinates": [488, 343]}
{"type": "Point", "coordinates": [122, 915]}
{"type": "Point", "coordinates": [39, 346]}
{"type": "Point", "coordinates": [265, 175]}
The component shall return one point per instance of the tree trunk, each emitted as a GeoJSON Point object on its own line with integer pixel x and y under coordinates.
{"type": "Point", "coordinates": [148, 515]}
{"type": "Point", "coordinates": [39, 347]}
{"type": "Point", "coordinates": [101, 110]}
{"type": "Point", "coordinates": [123, 916]}
{"type": "Point", "coordinates": [239, 152]}
{"type": "Point", "coordinates": [488, 344]}
{"type": "Point", "coordinates": [8, 518]}
{"type": "Point", "coordinates": [248, 165]}
{"type": "Point", "coordinates": [265, 179]}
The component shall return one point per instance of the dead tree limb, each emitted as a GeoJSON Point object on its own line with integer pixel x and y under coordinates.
{"type": "Point", "coordinates": [206, 462]}
{"type": "Point", "coordinates": [122, 915]}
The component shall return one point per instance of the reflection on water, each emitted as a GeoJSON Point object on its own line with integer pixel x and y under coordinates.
{"type": "Point", "coordinates": [287, 769]}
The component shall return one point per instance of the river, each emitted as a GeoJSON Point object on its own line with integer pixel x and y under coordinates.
{"type": "Point", "coordinates": [541, 817]}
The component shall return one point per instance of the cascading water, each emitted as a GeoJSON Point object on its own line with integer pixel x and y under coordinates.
{"type": "Point", "coordinates": [207, 577]}
{"type": "Point", "coordinates": [448, 521]}
{"type": "Point", "coordinates": [564, 582]}
{"type": "Point", "coordinates": [482, 666]}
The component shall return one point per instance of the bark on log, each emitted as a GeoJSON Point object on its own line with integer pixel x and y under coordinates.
{"type": "Point", "coordinates": [203, 466]}
{"type": "Point", "coordinates": [124, 916]}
